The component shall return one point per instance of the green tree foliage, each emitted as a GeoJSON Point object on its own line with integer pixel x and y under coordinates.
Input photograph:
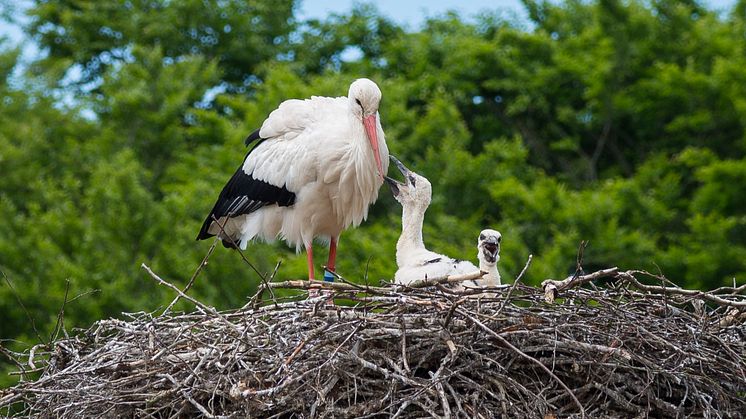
{"type": "Point", "coordinates": [96, 35]}
{"type": "Point", "coordinates": [618, 122]}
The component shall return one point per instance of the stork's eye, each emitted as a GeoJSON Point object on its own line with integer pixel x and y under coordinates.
{"type": "Point", "coordinates": [411, 179]}
{"type": "Point", "coordinates": [499, 239]}
{"type": "Point", "coordinates": [481, 237]}
{"type": "Point", "coordinates": [358, 102]}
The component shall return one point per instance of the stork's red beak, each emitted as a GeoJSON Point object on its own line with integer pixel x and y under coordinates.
{"type": "Point", "coordinates": [370, 128]}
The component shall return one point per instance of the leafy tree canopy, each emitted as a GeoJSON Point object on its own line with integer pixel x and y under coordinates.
{"type": "Point", "coordinates": [618, 122]}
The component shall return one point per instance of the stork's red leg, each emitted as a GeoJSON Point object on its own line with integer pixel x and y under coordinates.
{"type": "Point", "coordinates": [313, 292]}
{"type": "Point", "coordinates": [328, 276]}
{"type": "Point", "coordinates": [332, 254]}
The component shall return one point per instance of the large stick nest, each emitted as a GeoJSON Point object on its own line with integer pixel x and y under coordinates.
{"type": "Point", "coordinates": [607, 351]}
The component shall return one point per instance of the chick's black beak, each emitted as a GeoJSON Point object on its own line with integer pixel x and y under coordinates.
{"type": "Point", "coordinates": [393, 185]}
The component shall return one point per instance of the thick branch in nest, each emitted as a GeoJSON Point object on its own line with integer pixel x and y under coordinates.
{"type": "Point", "coordinates": [341, 286]}
{"type": "Point", "coordinates": [552, 287]}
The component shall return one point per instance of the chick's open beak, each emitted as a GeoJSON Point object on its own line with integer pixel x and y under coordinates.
{"type": "Point", "coordinates": [393, 185]}
{"type": "Point", "coordinates": [491, 248]}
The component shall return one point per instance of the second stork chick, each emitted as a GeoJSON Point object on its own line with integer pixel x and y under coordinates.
{"type": "Point", "coordinates": [488, 253]}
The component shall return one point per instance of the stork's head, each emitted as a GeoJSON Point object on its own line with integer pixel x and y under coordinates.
{"type": "Point", "coordinates": [365, 96]}
{"type": "Point", "coordinates": [414, 191]}
{"type": "Point", "coordinates": [488, 246]}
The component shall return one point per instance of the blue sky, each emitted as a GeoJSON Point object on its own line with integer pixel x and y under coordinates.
{"type": "Point", "coordinates": [413, 12]}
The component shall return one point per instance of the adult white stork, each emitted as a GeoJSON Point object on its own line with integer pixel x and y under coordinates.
{"type": "Point", "coordinates": [316, 168]}
{"type": "Point", "coordinates": [413, 259]}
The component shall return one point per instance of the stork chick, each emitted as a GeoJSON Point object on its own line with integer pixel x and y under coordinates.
{"type": "Point", "coordinates": [413, 259]}
{"type": "Point", "coordinates": [488, 253]}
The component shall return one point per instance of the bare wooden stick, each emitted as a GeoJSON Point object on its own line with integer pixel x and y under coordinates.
{"type": "Point", "coordinates": [240, 252]}
{"type": "Point", "coordinates": [302, 284]}
{"type": "Point", "coordinates": [23, 307]}
{"type": "Point", "coordinates": [348, 286]}
{"type": "Point", "coordinates": [60, 326]}
{"type": "Point", "coordinates": [552, 287]}
{"type": "Point", "coordinates": [515, 284]}
{"type": "Point", "coordinates": [194, 276]}
{"type": "Point", "coordinates": [449, 279]}
{"type": "Point", "coordinates": [629, 277]}
{"type": "Point", "coordinates": [314, 333]}
{"type": "Point", "coordinates": [207, 308]}
{"type": "Point", "coordinates": [175, 288]}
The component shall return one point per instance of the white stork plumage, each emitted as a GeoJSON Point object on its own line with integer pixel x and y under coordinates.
{"type": "Point", "coordinates": [413, 259]}
{"type": "Point", "coordinates": [316, 168]}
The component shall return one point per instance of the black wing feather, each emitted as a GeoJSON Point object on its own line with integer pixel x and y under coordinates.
{"type": "Point", "coordinates": [243, 195]}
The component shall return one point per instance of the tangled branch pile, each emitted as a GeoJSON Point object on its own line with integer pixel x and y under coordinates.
{"type": "Point", "coordinates": [614, 351]}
